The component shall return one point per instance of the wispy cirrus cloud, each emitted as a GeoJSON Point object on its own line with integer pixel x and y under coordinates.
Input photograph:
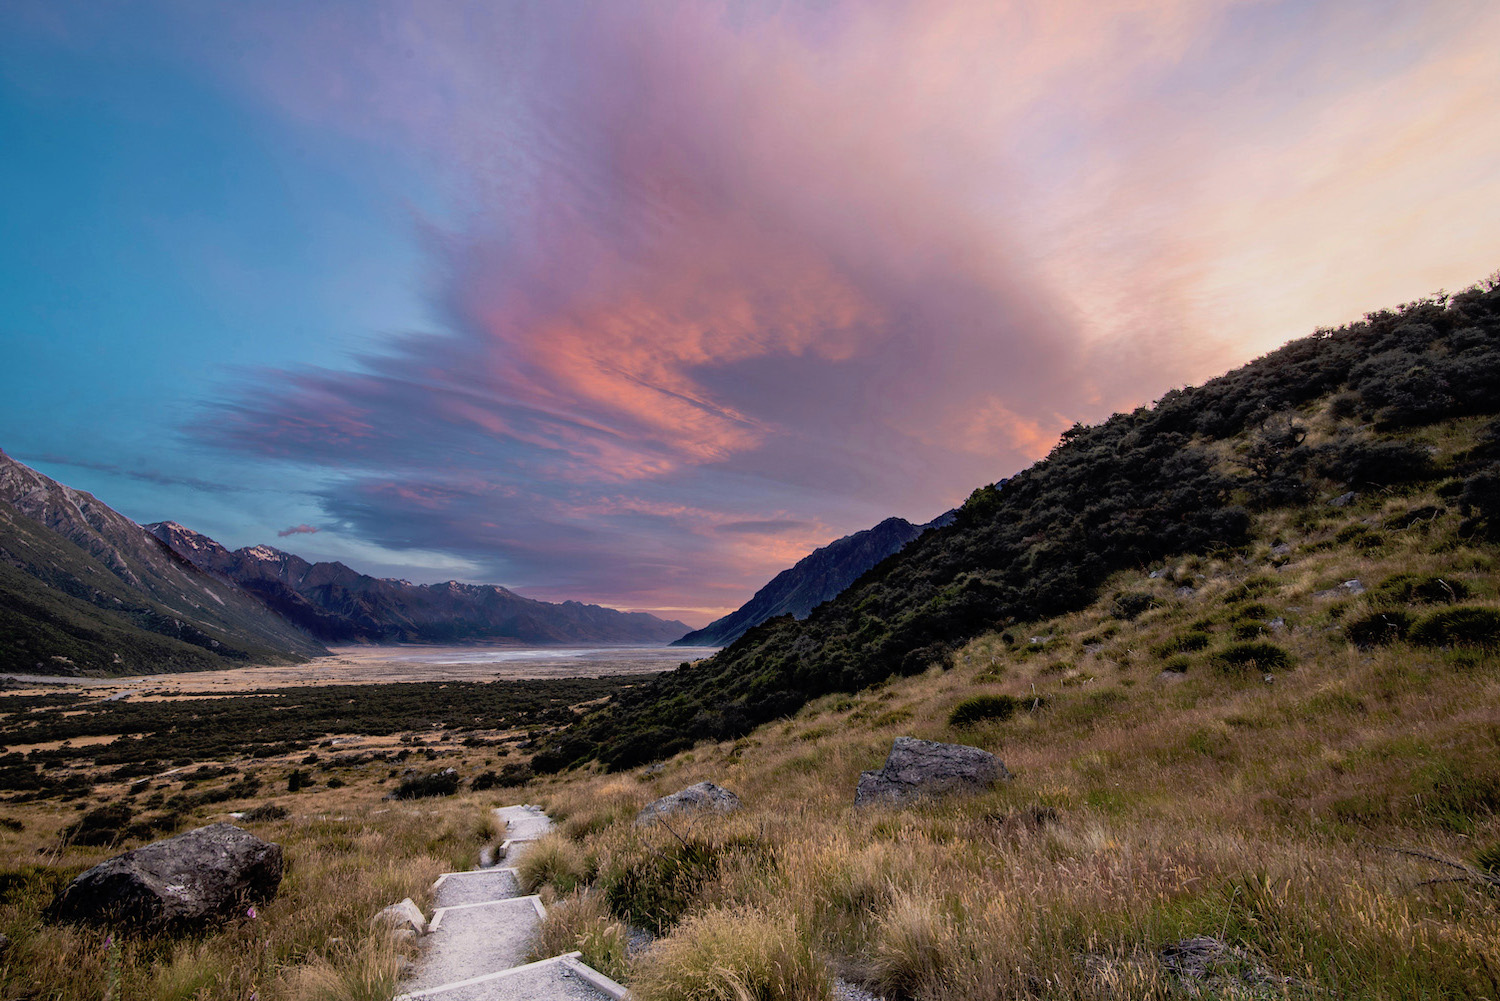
{"type": "Point", "coordinates": [722, 282]}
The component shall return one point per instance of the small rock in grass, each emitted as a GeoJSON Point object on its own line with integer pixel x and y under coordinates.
{"type": "Point", "coordinates": [405, 916]}
{"type": "Point", "coordinates": [703, 796]}
{"type": "Point", "coordinates": [919, 768]}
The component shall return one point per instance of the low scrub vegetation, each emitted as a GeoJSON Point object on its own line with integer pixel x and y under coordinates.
{"type": "Point", "coordinates": [982, 708]}
{"type": "Point", "coordinates": [1459, 627]}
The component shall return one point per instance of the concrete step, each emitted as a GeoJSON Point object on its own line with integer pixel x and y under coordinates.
{"type": "Point", "coordinates": [475, 886]}
{"type": "Point", "coordinates": [472, 940]}
{"type": "Point", "coordinates": [561, 978]}
{"type": "Point", "coordinates": [524, 823]}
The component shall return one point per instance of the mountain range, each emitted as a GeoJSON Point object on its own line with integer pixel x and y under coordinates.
{"type": "Point", "coordinates": [85, 589]}
{"type": "Point", "coordinates": [821, 575]}
{"type": "Point", "coordinates": [341, 605]}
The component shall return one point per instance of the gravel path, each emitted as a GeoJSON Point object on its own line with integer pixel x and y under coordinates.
{"type": "Point", "coordinates": [482, 930]}
{"type": "Point", "coordinates": [550, 979]}
{"type": "Point", "coordinates": [524, 823]}
{"type": "Point", "coordinates": [472, 940]}
{"type": "Point", "coordinates": [476, 886]}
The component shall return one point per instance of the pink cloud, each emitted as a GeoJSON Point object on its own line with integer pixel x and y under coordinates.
{"type": "Point", "coordinates": [710, 265]}
{"type": "Point", "coordinates": [296, 530]}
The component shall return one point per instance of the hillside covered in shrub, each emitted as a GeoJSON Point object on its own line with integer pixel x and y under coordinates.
{"type": "Point", "coordinates": [1181, 477]}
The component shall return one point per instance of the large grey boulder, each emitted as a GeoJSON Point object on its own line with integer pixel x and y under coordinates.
{"type": "Point", "coordinates": [703, 796]}
{"type": "Point", "coordinates": [920, 768]}
{"type": "Point", "coordinates": [182, 882]}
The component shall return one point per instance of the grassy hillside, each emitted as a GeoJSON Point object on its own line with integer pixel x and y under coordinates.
{"type": "Point", "coordinates": [64, 611]}
{"type": "Point", "coordinates": [1163, 789]}
{"type": "Point", "coordinates": [1357, 409]}
{"type": "Point", "coordinates": [1242, 745]}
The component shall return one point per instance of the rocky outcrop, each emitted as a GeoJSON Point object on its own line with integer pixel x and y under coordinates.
{"type": "Point", "coordinates": [181, 883]}
{"type": "Point", "coordinates": [921, 768]}
{"type": "Point", "coordinates": [695, 798]}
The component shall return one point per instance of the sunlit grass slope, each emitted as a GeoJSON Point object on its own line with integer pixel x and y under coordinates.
{"type": "Point", "coordinates": [1202, 752]}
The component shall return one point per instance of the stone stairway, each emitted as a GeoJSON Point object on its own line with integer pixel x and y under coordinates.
{"type": "Point", "coordinates": [482, 928]}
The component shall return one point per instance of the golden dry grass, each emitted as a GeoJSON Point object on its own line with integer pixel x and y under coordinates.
{"type": "Point", "coordinates": [1146, 808]}
{"type": "Point", "coordinates": [348, 854]}
{"type": "Point", "coordinates": [1157, 796]}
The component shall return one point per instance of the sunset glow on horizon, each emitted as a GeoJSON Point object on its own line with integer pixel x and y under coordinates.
{"type": "Point", "coordinates": [637, 304]}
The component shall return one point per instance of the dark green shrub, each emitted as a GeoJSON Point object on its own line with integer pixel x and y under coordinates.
{"type": "Point", "coordinates": [335, 783]}
{"type": "Point", "coordinates": [980, 708]}
{"type": "Point", "coordinates": [484, 780]}
{"type": "Point", "coordinates": [1131, 604]}
{"type": "Point", "coordinates": [1480, 499]}
{"type": "Point", "coordinates": [1360, 461]}
{"type": "Point", "coordinates": [298, 779]}
{"type": "Point", "coordinates": [1378, 627]}
{"type": "Point", "coordinates": [1468, 626]}
{"type": "Point", "coordinates": [1413, 589]}
{"type": "Point", "coordinates": [1254, 655]}
{"type": "Point", "coordinates": [1360, 537]}
{"type": "Point", "coordinates": [1249, 630]}
{"type": "Point", "coordinates": [148, 828]}
{"type": "Point", "coordinates": [653, 888]}
{"type": "Point", "coordinates": [101, 827]}
{"type": "Point", "coordinates": [514, 774]}
{"type": "Point", "coordinates": [443, 783]}
{"type": "Point", "coordinates": [1178, 664]}
{"type": "Point", "coordinates": [266, 811]}
{"type": "Point", "coordinates": [1182, 643]}
{"type": "Point", "coordinates": [1254, 587]}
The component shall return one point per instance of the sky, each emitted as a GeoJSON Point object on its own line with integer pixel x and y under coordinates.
{"type": "Point", "coordinates": [639, 303]}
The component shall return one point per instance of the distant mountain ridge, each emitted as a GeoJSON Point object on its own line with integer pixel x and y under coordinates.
{"type": "Point", "coordinates": [83, 588]}
{"type": "Point", "coordinates": [338, 604]}
{"type": "Point", "coordinates": [819, 576]}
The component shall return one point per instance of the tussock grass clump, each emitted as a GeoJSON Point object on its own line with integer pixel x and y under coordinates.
{"type": "Point", "coordinates": [551, 861]}
{"type": "Point", "coordinates": [654, 883]}
{"type": "Point", "coordinates": [1464, 626]}
{"type": "Point", "coordinates": [914, 945]}
{"type": "Point", "coordinates": [1187, 642]}
{"type": "Point", "coordinates": [983, 708]}
{"type": "Point", "coordinates": [1252, 655]}
{"type": "Point", "coordinates": [1378, 628]}
{"type": "Point", "coordinates": [734, 954]}
{"type": "Point", "coordinates": [582, 921]}
{"type": "Point", "coordinates": [1413, 589]}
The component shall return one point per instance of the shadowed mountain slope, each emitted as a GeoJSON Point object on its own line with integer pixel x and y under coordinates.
{"type": "Point", "coordinates": [85, 589]}
{"type": "Point", "coordinates": [341, 605]}
{"type": "Point", "coordinates": [1178, 478]}
{"type": "Point", "coordinates": [822, 574]}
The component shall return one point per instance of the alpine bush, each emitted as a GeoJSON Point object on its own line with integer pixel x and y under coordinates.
{"type": "Point", "coordinates": [980, 708]}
